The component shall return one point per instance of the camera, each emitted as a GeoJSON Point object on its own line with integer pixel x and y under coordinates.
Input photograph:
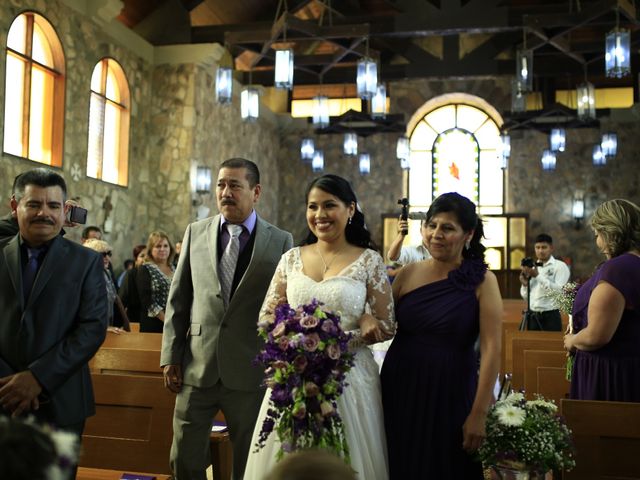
{"type": "Point", "coordinates": [77, 214]}
{"type": "Point", "coordinates": [404, 214]}
{"type": "Point", "coordinates": [530, 263]}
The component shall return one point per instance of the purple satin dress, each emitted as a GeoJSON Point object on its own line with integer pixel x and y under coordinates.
{"type": "Point", "coordinates": [430, 377]}
{"type": "Point", "coordinates": [611, 373]}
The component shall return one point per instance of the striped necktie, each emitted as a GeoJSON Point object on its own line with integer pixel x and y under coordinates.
{"type": "Point", "coordinates": [229, 259]}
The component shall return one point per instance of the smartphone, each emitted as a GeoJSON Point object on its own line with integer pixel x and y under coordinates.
{"type": "Point", "coordinates": [78, 214]}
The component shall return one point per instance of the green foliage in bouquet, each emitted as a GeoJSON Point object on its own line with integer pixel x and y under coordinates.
{"type": "Point", "coordinates": [527, 435]}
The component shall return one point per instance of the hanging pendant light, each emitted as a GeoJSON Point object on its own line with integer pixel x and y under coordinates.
{"type": "Point", "coordinates": [402, 148]}
{"type": "Point", "coordinates": [249, 104]}
{"type": "Point", "coordinates": [586, 100]}
{"type": "Point", "coordinates": [599, 158]}
{"type": "Point", "coordinates": [557, 140]}
{"type": "Point", "coordinates": [350, 144]}
{"type": "Point", "coordinates": [367, 78]}
{"type": "Point", "coordinates": [609, 144]}
{"type": "Point", "coordinates": [224, 85]}
{"type": "Point", "coordinates": [617, 57]}
{"type": "Point", "coordinates": [284, 69]}
{"type": "Point", "coordinates": [317, 164]}
{"type": "Point", "coordinates": [405, 164]}
{"type": "Point", "coordinates": [524, 70]}
{"type": "Point", "coordinates": [320, 111]}
{"type": "Point", "coordinates": [504, 150]}
{"type": "Point", "coordinates": [306, 150]}
{"type": "Point", "coordinates": [203, 180]}
{"type": "Point", "coordinates": [379, 102]}
{"type": "Point", "coordinates": [364, 163]}
{"type": "Point", "coordinates": [518, 97]}
{"type": "Point", "coordinates": [548, 160]}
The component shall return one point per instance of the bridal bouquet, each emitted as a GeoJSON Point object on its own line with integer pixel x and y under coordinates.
{"type": "Point", "coordinates": [564, 299]}
{"type": "Point", "coordinates": [527, 435]}
{"type": "Point", "coordinates": [306, 357]}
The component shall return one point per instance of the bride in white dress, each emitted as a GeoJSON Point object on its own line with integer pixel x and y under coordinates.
{"type": "Point", "coordinates": [336, 267]}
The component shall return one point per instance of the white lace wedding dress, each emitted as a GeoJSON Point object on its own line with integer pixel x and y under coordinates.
{"type": "Point", "coordinates": [363, 284]}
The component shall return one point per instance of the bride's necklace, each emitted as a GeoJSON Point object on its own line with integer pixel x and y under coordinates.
{"type": "Point", "coordinates": [325, 264]}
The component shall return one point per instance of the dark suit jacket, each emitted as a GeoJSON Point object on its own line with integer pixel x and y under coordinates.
{"type": "Point", "coordinates": [212, 342]}
{"type": "Point", "coordinates": [59, 329]}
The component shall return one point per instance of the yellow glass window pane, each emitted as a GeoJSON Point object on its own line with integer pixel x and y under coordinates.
{"type": "Point", "coordinates": [470, 118]}
{"type": "Point", "coordinates": [14, 106]}
{"type": "Point", "coordinates": [495, 231]}
{"type": "Point", "coordinates": [337, 106]}
{"type": "Point", "coordinates": [111, 146]}
{"type": "Point", "coordinates": [420, 179]}
{"type": "Point", "coordinates": [41, 115]}
{"type": "Point", "coordinates": [517, 231]}
{"type": "Point", "coordinates": [17, 38]}
{"type": "Point", "coordinates": [517, 254]}
{"type": "Point", "coordinates": [422, 137]}
{"type": "Point", "coordinates": [94, 148]}
{"type": "Point", "coordinates": [456, 164]}
{"type": "Point", "coordinates": [491, 179]}
{"type": "Point", "coordinates": [96, 78]}
{"type": "Point", "coordinates": [442, 118]}
{"type": "Point", "coordinates": [41, 52]}
{"type": "Point", "coordinates": [487, 136]}
{"type": "Point", "coordinates": [605, 97]}
{"type": "Point", "coordinates": [493, 257]}
{"type": "Point", "coordinates": [113, 90]}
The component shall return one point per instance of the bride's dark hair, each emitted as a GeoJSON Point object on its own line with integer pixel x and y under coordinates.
{"type": "Point", "coordinates": [356, 232]}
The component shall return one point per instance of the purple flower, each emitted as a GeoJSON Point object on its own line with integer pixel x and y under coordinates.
{"type": "Point", "coordinates": [329, 327]}
{"type": "Point", "coordinates": [310, 342]}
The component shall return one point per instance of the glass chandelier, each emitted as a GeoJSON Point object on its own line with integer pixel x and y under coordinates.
{"type": "Point", "coordinates": [350, 144]}
{"type": "Point", "coordinates": [379, 102]}
{"type": "Point", "coordinates": [307, 149]}
{"type": "Point", "coordinates": [320, 111]}
{"type": "Point", "coordinates": [586, 100]}
{"type": "Point", "coordinates": [598, 156]}
{"type": "Point", "coordinates": [367, 78]}
{"type": "Point", "coordinates": [524, 69]}
{"type": "Point", "coordinates": [250, 104]}
{"type": "Point", "coordinates": [284, 69]}
{"type": "Point", "coordinates": [364, 163]}
{"type": "Point", "coordinates": [317, 164]}
{"type": "Point", "coordinates": [402, 148]}
{"type": "Point", "coordinates": [609, 144]}
{"type": "Point", "coordinates": [617, 57]}
{"type": "Point", "coordinates": [224, 85]}
{"type": "Point", "coordinates": [557, 140]}
{"type": "Point", "coordinates": [548, 160]}
{"type": "Point", "coordinates": [504, 150]}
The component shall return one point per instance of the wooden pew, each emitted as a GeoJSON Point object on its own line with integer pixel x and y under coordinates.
{"type": "Point", "coordinates": [607, 439]}
{"type": "Point", "coordinates": [511, 335]}
{"type": "Point", "coordinates": [538, 366]}
{"type": "Point", "coordinates": [552, 383]}
{"type": "Point", "coordinates": [134, 358]}
{"type": "Point", "coordinates": [549, 341]}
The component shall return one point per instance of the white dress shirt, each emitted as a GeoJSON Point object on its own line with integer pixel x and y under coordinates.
{"type": "Point", "coordinates": [413, 254]}
{"type": "Point", "coordinates": [551, 276]}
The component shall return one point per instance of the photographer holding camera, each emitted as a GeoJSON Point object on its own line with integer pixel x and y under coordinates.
{"type": "Point", "coordinates": [538, 278]}
{"type": "Point", "coordinates": [404, 255]}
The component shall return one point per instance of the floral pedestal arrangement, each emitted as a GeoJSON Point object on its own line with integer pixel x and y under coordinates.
{"type": "Point", "coordinates": [526, 439]}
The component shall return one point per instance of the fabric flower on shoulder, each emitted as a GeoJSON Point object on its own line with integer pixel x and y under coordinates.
{"type": "Point", "coordinates": [468, 275]}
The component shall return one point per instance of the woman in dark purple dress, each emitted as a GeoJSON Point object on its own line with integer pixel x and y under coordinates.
{"type": "Point", "coordinates": [606, 311]}
{"type": "Point", "coordinates": [435, 401]}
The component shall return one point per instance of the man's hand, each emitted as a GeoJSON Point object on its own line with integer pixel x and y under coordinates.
{"type": "Point", "coordinates": [172, 377]}
{"type": "Point", "coordinates": [67, 206]}
{"type": "Point", "coordinates": [19, 393]}
{"type": "Point", "coordinates": [403, 226]}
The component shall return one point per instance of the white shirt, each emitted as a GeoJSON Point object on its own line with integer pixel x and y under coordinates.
{"type": "Point", "coordinates": [413, 254]}
{"type": "Point", "coordinates": [551, 276]}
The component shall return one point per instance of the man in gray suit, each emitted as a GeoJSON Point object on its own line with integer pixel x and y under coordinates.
{"type": "Point", "coordinates": [53, 309]}
{"type": "Point", "coordinates": [210, 333]}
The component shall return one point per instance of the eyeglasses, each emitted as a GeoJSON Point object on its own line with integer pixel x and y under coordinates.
{"type": "Point", "coordinates": [106, 254]}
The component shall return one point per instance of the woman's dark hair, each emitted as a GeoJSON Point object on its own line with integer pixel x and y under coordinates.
{"type": "Point", "coordinates": [465, 211]}
{"type": "Point", "coordinates": [356, 231]}
{"type": "Point", "coordinates": [27, 451]}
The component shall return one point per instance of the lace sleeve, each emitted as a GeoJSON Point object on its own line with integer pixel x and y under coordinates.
{"type": "Point", "coordinates": [277, 291]}
{"type": "Point", "coordinates": [379, 299]}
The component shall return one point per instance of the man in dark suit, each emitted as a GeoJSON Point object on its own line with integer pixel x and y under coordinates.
{"type": "Point", "coordinates": [210, 332]}
{"type": "Point", "coordinates": [53, 309]}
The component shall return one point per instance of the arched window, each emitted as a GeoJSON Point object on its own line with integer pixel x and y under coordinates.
{"type": "Point", "coordinates": [108, 148]}
{"type": "Point", "coordinates": [454, 141]}
{"type": "Point", "coordinates": [34, 91]}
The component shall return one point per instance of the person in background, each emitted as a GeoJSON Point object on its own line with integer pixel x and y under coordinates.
{"type": "Point", "coordinates": [435, 398]}
{"type": "Point", "coordinates": [128, 291]}
{"type": "Point", "coordinates": [210, 338]}
{"type": "Point", "coordinates": [606, 311]}
{"type": "Point", "coordinates": [311, 465]}
{"type": "Point", "coordinates": [405, 255]}
{"type": "Point", "coordinates": [178, 248]}
{"type": "Point", "coordinates": [153, 280]}
{"type": "Point", "coordinates": [90, 231]}
{"type": "Point", "coordinates": [54, 310]}
{"type": "Point", "coordinates": [544, 276]}
{"type": "Point", "coordinates": [128, 265]}
{"type": "Point", "coordinates": [114, 302]}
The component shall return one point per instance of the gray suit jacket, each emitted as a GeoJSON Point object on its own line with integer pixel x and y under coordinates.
{"type": "Point", "coordinates": [59, 329]}
{"type": "Point", "coordinates": [212, 343]}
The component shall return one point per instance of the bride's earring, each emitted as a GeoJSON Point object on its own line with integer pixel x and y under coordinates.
{"type": "Point", "coordinates": [349, 222]}
{"type": "Point", "coordinates": [467, 245]}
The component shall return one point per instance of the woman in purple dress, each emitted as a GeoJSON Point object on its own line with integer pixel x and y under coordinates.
{"type": "Point", "coordinates": [434, 398]}
{"type": "Point", "coordinates": [606, 311]}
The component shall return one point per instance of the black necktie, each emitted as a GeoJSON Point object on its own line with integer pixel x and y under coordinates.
{"type": "Point", "coordinates": [30, 271]}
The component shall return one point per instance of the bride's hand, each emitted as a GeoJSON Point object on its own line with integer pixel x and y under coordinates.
{"type": "Point", "coordinates": [371, 330]}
